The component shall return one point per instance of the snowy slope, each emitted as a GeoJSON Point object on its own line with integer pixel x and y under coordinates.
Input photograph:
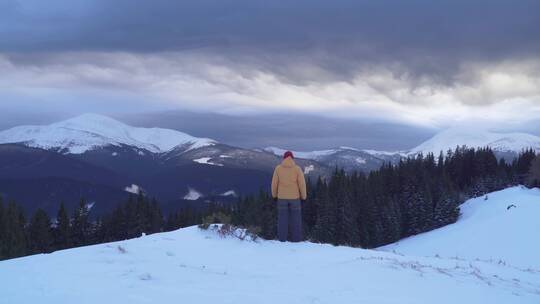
{"type": "Point", "coordinates": [475, 138]}
{"type": "Point", "coordinates": [91, 131]}
{"type": "Point", "coordinates": [194, 266]}
{"type": "Point", "coordinates": [502, 228]}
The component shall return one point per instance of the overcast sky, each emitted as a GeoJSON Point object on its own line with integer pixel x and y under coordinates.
{"type": "Point", "coordinates": [423, 64]}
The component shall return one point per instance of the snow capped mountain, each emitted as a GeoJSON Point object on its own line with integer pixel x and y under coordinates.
{"type": "Point", "coordinates": [321, 154]}
{"type": "Point", "coordinates": [473, 138]}
{"type": "Point", "coordinates": [344, 157]}
{"type": "Point", "coordinates": [314, 155]}
{"type": "Point", "coordinates": [92, 131]}
{"type": "Point", "coordinates": [477, 266]}
{"type": "Point", "coordinates": [503, 144]}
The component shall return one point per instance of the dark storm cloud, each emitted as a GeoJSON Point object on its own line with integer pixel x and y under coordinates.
{"type": "Point", "coordinates": [288, 130]}
{"type": "Point", "coordinates": [423, 37]}
{"type": "Point", "coordinates": [425, 63]}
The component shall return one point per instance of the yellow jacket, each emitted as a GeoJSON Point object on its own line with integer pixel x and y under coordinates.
{"type": "Point", "coordinates": [288, 181]}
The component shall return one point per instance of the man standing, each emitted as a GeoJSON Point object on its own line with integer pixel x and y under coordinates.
{"type": "Point", "coordinates": [289, 189]}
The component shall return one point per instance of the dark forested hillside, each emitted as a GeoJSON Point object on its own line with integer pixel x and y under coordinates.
{"type": "Point", "coordinates": [416, 195]}
{"type": "Point", "coordinates": [367, 210]}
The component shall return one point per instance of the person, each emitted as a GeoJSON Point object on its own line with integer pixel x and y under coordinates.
{"type": "Point", "coordinates": [289, 192]}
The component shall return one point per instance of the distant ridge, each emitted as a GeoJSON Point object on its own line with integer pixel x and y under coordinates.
{"type": "Point", "coordinates": [91, 131]}
{"type": "Point", "coordinates": [500, 142]}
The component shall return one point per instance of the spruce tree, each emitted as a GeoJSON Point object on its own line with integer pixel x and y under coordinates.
{"type": "Point", "coordinates": [62, 229]}
{"type": "Point", "coordinates": [81, 227]}
{"type": "Point", "coordinates": [156, 218]}
{"type": "Point", "coordinates": [533, 176]}
{"type": "Point", "coordinates": [40, 234]}
{"type": "Point", "coordinates": [3, 230]}
{"type": "Point", "coordinates": [325, 225]}
{"type": "Point", "coordinates": [15, 236]}
{"type": "Point", "coordinates": [268, 216]}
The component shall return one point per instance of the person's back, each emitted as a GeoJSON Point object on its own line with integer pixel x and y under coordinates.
{"type": "Point", "coordinates": [289, 189]}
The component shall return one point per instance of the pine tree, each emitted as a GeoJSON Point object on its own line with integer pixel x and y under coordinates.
{"type": "Point", "coordinates": [325, 225]}
{"type": "Point", "coordinates": [81, 227]}
{"type": "Point", "coordinates": [62, 229]}
{"type": "Point", "coordinates": [522, 165]}
{"type": "Point", "coordinates": [172, 222]}
{"type": "Point", "coordinates": [3, 230]}
{"type": "Point", "coordinates": [268, 216]}
{"type": "Point", "coordinates": [309, 210]}
{"type": "Point", "coordinates": [40, 235]}
{"type": "Point", "coordinates": [142, 215]}
{"type": "Point", "coordinates": [15, 237]}
{"type": "Point", "coordinates": [156, 218]}
{"type": "Point", "coordinates": [533, 177]}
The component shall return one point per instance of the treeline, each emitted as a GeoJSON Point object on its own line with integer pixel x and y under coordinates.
{"type": "Point", "coordinates": [367, 210]}
{"type": "Point", "coordinates": [416, 195]}
{"type": "Point", "coordinates": [39, 234]}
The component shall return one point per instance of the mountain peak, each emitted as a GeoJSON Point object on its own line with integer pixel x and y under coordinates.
{"type": "Point", "coordinates": [451, 138]}
{"type": "Point", "coordinates": [90, 131]}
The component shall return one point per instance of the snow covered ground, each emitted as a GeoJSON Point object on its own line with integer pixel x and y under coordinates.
{"type": "Point", "coordinates": [194, 266]}
{"type": "Point", "coordinates": [206, 161]}
{"type": "Point", "coordinates": [500, 227]}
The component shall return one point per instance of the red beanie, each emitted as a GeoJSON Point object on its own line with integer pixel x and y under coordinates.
{"type": "Point", "coordinates": [287, 154]}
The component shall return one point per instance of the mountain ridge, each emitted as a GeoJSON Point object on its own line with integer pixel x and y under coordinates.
{"type": "Point", "coordinates": [91, 131]}
{"type": "Point", "coordinates": [502, 143]}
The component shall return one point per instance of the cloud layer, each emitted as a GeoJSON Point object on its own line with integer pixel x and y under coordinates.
{"type": "Point", "coordinates": [421, 62]}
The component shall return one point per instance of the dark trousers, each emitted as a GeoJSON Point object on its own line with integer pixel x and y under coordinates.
{"type": "Point", "coordinates": [289, 218]}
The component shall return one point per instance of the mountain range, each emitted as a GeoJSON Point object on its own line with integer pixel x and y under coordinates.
{"type": "Point", "coordinates": [103, 160]}
{"type": "Point", "coordinates": [504, 145]}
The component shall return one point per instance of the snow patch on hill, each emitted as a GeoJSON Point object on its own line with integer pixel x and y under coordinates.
{"type": "Point", "coordinates": [309, 169]}
{"type": "Point", "coordinates": [206, 161]}
{"type": "Point", "coordinates": [91, 131]}
{"type": "Point", "coordinates": [361, 160]}
{"type": "Point", "coordinates": [229, 193]}
{"type": "Point", "coordinates": [135, 189]}
{"type": "Point", "coordinates": [192, 195]}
